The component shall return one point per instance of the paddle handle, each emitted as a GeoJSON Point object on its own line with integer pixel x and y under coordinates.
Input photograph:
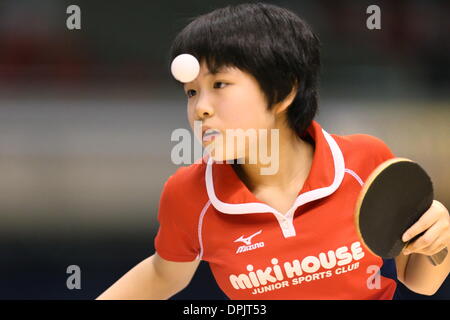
{"type": "Point", "coordinates": [438, 258]}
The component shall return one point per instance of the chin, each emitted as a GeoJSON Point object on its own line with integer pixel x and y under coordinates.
{"type": "Point", "coordinates": [231, 156]}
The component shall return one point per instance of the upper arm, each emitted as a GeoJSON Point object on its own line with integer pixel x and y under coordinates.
{"type": "Point", "coordinates": [152, 278]}
{"type": "Point", "coordinates": [180, 273]}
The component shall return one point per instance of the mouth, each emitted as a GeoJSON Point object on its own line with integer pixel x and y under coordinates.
{"type": "Point", "coordinates": [210, 135]}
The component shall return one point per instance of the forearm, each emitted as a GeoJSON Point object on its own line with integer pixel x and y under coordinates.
{"type": "Point", "coordinates": [141, 282]}
{"type": "Point", "coordinates": [424, 278]}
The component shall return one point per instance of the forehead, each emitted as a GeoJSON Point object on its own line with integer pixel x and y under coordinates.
{"type": "Point", "coordinates": [204, 65]}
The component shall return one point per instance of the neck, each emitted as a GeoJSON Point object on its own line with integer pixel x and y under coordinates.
{"type": "Point", "coordinates": [294, 163]}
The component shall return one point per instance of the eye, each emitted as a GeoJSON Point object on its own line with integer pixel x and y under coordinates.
{"type": "Point", "coordinates": [188, 95]}
{"type": "Point", "coordinates": [191, 93]}
{"type": "Point", "coordinates": [220, 82]}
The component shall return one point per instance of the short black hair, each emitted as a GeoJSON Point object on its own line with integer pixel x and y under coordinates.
{"type": "Point", "coordinates": [271, 43]}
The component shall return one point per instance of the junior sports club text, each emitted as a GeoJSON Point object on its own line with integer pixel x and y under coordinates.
{"type": "Point", "coordinates": [274, 275]}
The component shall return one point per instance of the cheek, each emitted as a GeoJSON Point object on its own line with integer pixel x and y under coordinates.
{"type": "Point", "coordinates": [190, 115]}
{"type": "Point", "coordinates": [247, 115]}
{"type": "Point", "coordinates": [256, 119]}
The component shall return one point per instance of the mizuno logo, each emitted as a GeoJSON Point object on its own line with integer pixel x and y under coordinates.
{"type": "Point", "coordinates": [248, 240]}
{"type": "Point", "coordinates": [248, 243]}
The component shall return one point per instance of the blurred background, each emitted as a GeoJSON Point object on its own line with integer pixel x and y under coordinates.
{"type": "Point", "coordinates": [86, 118]}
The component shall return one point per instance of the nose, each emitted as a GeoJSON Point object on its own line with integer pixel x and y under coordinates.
{"type": "Point", "coordinates": [203, 108]}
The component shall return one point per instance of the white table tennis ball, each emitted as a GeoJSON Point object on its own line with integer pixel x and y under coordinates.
{"type": "Point", "coordinates": [185, 68]}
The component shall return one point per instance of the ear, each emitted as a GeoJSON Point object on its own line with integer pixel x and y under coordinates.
{"type": "Point", "coordinates": [282, 105]}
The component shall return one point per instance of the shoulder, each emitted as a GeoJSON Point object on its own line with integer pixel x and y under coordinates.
{"type": "Point", "coordinates": [184, 192]}
{"type": "Point", "coordinates": [364, 144]}
{"type": "Point", "coordinates": [182, 199]}
{"type": "Point", "coordinates": [363, 152]}
{"type": "Point", "coordinates": [188, 178]}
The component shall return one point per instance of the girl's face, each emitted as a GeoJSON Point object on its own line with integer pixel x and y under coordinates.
{"type": "Point", "coordinates": [231, 99]}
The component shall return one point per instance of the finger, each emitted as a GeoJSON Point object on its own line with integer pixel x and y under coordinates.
{"type": "Point", "coordinates": [434, 248]}
{"type": "Point", "coordinates": [427, 239]}
{"type": "Point", "coordinates": [426, 221]}
{"type": "Point", "coordinates": [439, 205]}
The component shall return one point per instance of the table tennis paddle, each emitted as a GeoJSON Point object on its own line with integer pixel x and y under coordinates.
{"type": "Point", "coordinates": [395, 195]}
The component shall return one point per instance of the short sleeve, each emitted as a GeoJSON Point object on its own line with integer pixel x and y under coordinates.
{"type": "Point", "coordinates": [175, 240]}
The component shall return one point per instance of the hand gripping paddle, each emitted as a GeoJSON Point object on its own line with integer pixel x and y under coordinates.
{"type": "Point", "coordinates": [396, 194]}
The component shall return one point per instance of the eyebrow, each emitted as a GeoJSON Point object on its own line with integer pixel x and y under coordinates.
{"type": "Point", "coordinates": [222, 69]}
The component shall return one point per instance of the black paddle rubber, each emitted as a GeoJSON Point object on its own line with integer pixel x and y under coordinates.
{"type": "Point", "coordinates": [396, 194]}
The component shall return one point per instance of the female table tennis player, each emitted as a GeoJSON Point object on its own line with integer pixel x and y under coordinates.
{"type": "Point", "coordinates": [286, 235]}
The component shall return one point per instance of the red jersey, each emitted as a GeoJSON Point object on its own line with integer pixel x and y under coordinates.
{"type": "Point", "coordinates": [255, 252]}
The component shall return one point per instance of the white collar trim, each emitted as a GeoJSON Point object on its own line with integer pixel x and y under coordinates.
{"type": "Point", "coordinates": [255, 207]}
